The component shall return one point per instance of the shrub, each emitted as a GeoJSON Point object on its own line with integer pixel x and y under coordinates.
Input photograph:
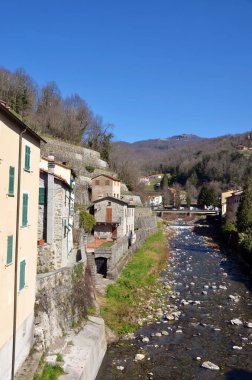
{"type": "Point", "coordinates": [87, 221]}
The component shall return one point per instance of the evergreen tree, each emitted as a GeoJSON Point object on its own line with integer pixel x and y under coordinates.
{"type": "Point", "coordinates": [244, 212]}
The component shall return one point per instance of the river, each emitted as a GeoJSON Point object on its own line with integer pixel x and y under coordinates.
{"type": "Point", "coordinates": [209, 291]}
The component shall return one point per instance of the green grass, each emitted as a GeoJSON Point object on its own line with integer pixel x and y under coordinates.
{"type": "Point", "coordinates": [107, 244]}
{"type": "Point", "coordinates": [49, 373]}
{"type": "Point", "coordinates": [135, 285]}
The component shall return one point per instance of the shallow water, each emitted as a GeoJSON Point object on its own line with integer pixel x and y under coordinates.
{"type": "Point", "coordinates": [204, 279]}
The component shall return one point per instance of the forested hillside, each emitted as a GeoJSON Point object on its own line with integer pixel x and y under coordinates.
{"type": "Point", "coordinates": [218, 160]}
{"type": "Point", "coordinates": [48, 113]}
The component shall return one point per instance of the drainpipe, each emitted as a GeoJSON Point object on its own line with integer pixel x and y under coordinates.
{"type": "Point", "coordinates": [16, 254]}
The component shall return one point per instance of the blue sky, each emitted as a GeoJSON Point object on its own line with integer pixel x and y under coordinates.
{"type": "Point", "coordinates": [151, 68]}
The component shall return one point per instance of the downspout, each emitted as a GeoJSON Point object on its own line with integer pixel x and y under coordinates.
{"type": "Point", "coordinates": [16, 255]}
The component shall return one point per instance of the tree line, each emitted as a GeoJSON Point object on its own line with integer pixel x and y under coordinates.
{"type": "Point", "coordinates": [48, 113]}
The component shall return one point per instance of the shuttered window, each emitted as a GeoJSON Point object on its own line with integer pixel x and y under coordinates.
{"type": "Point", "coordinates": [9, 249]}
{"type": "Point", "coordinates": [22, 275]}
{"type": "Point", "coordinates": [27, 157]}
{"type": "Point", "coordinates": [11, 180]}
{"type": "Point", "coordinates": [41, 195]}
{"type": "Point", "coordinates": [25, 210]}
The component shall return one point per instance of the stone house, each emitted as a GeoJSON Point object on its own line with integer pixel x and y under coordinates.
{"type": "Point", "coordinates": [19, 171]}
{"type": "Point", "coordinates": [114, 218]}
{"type": "Point", "coordinates": [56, 209]}
{"type": "Point", "coordinates": [104, 185]}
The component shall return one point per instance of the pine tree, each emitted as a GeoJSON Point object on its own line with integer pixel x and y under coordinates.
{"type": "Point", "coordinates": [244, 212]}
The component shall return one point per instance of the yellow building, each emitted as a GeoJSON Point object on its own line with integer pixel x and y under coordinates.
{"type": "Point", "coordinates": [19, 187]}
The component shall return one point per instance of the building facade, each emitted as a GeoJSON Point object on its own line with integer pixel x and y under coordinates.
{"type": "Point", "coordinates": [19, 171]}
{"type": "Point", "coordinates": [114, 218]}
{"type": "Point", "coordinates": [56, 209]}
{"type": "Point", "coordinates": [104, 186]}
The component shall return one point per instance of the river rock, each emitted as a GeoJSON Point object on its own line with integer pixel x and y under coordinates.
{"type": "Point", "coordinates": [223, 287]}
{"type": "Point", "coordinates": [236, 322]}
{"type": "Point", "coordinates": [237, 348]}
{"type": "Point", "coordinates": [158, 334]}
{"type": "Point", "coordinates": [248, 324]}
{"type": "Point", "coordinates": [139, 357]}
{"type": "Point", "coordinates": [234, 298]}
{"type": "Point", "coordinates": [210, 365]}
{"type": "Point", "coordinates": [164, 332]}
{"type": "Point", "coordinates": [145, 339]}
{"type": "Point", "coordinates": [204, 292]}
{"type": "Point", "coordinates": [120, 367]}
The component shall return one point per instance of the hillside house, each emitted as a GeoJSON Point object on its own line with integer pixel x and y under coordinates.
{"type": "Point", "coordinates": [114, 218]}
{"type": "Point", "coordinates": [234, 201]}
{"type": "Point", "coordinates": [104, 185]}
{"type": "Point", "coordinates": [19, 189]}
{"type": "Point", "coordinates": [224, 196]}
{"type": "Point", "coordinates": [56, 208]}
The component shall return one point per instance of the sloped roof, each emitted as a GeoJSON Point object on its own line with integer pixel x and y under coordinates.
{"type": "Point", "coordinates": [13, 117]}
{"type": "Point", "coordinates": [113, 199]}
{"type": "Point", "coordinates": [108, 176]}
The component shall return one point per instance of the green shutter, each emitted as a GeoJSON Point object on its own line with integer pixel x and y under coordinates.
{"type": "Point", "coordinates": [41, 195]}
{"type": "Point", "coordinates": [25, 210]}
{"type": "Point", "coordinates": [22, 275]}
{"type": "Point", "coordinates": [11, 180]}
{"type": "Point", "coordinates": [27, 157]}
{"type": "Point", "coordinates": [9, 249]}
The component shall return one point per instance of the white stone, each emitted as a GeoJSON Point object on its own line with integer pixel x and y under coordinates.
{"type": "Point", "coordinates": [236, 322]}
{"type": "Point", "coordinates": [145, 339]}
{"type": "Point", "coordinates": [158, 334]}
{"type": "Point", "coordinates": [139, 357]}
{"type": "Point", "coordinates": [179, 331]}
{"type": "Point", "coordinates": [248, 324]}
{"type": "Point", "coordinates": [120, 368]}
{"type": "Point", "coordinates": [210, 365]}
{"type": "Point", "coordinates": [164, 332]}
{"type": "Point", "coordinates": [237, 348]}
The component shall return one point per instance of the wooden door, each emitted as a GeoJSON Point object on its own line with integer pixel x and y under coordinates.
{"type": "Point", "coordinates": [108, 215]}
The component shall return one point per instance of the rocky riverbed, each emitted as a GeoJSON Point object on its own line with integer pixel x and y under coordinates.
{"type": "Point", "coordinates": [204, 326]}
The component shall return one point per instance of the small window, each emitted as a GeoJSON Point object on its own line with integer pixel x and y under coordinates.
{"type": "Point", "coordinates": [11, 180]}
{"type": "Point", "coordinates": [27, 158]}
{"type": "Point", "coordinates": [41, 195]}
{"type": "Point", "coordinates": [9, 249]}
{"type": "Point", "coordinates": [97, 182]}
{"type": "Point", "coordinates": [22, 275]}
{"type": "Point", "coordinates": [107, 182]}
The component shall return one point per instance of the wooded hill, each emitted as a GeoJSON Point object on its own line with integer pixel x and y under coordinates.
{"type": "Point", "coordinates": [219, 160]}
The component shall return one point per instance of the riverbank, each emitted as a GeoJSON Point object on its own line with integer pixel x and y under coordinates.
{"type": "Point", "coordinates": [133, 298]}
{"type": "Point", "coordinates": [204, 327]}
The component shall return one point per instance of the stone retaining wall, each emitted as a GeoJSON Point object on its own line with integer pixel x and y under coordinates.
{"type": "Point", "coordinates": [62, 300]}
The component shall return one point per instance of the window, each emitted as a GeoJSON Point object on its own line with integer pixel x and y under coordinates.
{"type": "Point", "coordinates": [22, 275]}
{"type": "Point", "coordinates": [25, 210]}
{"type": "Point", "coordinates": [9, 249]}
{"type": "Point", "coordinates": [27, 157]}
{"type": "Point", "coordinates": [107, 182]}
{"type": "Point", "coordinates": [11, 180]}
{"type": "Point", "coordinates": [97, 182]}
{"type": "Point", "coordinates": [41, 195]}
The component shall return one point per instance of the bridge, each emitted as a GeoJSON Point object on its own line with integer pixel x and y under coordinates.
{"type": "Point", "coordinates": [185, 211]}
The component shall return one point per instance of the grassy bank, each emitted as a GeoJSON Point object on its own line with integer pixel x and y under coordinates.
{"type": "Point", "coordinates": [138, 282]}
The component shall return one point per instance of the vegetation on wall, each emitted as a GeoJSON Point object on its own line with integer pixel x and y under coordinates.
{"type": "Point", "coordinates": [87, 221]}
